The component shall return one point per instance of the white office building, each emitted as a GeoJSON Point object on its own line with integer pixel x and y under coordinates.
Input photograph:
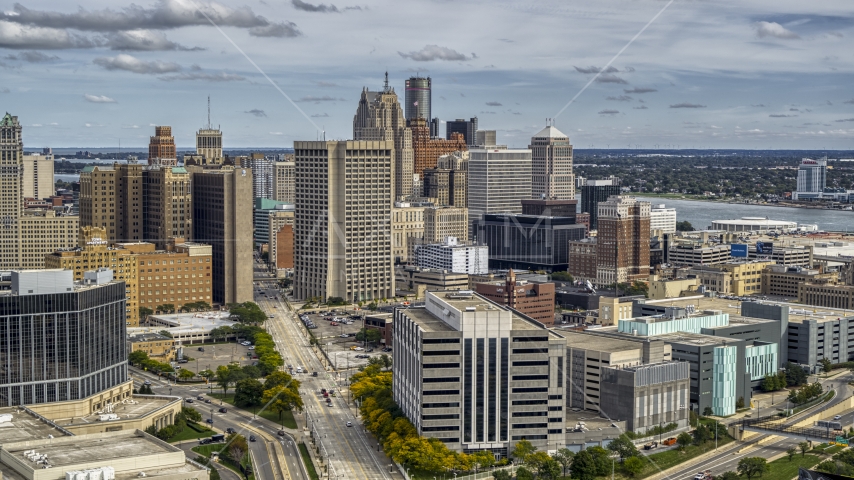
{"type": "Point", "coordinates": [662, 219]}
{"type": "Point", "coordinates": [552, 165]}
{"type": "Point", "coordinates": [498, 178]}
{"type": "Point", "coordinates": [451, 256]}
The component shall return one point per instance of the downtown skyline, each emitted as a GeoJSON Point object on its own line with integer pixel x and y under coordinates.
{"type": "Point", "coordinates": [765, 75]}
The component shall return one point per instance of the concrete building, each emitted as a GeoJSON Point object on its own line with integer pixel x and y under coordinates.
{"type": "Point", "coordinates": [447, 182]}
{"type": "Point", "coordinates": [342, 229]}
{"type": "Point", "coordinates": [550, 208]}
{"type": "Point", "coordinates": [536, 300]}
{"type": "Point", "coordinates": [498, 178]}
{"type": "Point", "coordinates": [11, 173]}
{"type": "Point", "coordinates": [281, 240]}
{"type": "Point", "coordinates": [380, 118]}
{"type": "Point", "coordinates": [551, 165]}
{"type": "Point", "coordinates": [161, 148]}
{"type": "Point", "coordinates": [691, 253]}
{"type": "Point", "coordinates": [671, 287]}
{"type": "Point", "coordinates": [222, 199]}
{"type": "Point", "coordinates": [61, 341]}
{"type": "Point", "coordinates": [177, 275]}
{"type": "Point", "coordinates": [284, 185]}
{"type": "Point", "coordinates": [154, 344]}
{"type": "Point", "coordinates": [754, 225]}
{"type": "Point", "coordinates": [582, 259]}
{"type": "Point", "coordinates": [477, 376]}
{"type": "Point", "coordinates": [485, 137]}
{"type": "Point", "coordinates": [784, 281]}
{"type": "Point", "coordinates": [623, 241]}
{"type": "Point", "coordinates": [443, 222]}
{"type": "Point", "coordinates": [595, 191]}
{"type": "Point", "coordinates": [824, 295]}
{"type": "Point", "coordinates": [733, 278]}
{"type": "Point", "coordinates": [467, 128]}
{"type": "Point", "coordinates": [420, 280]}
{"type": "Point", "coordinates": [812, 179]}
{"type": "Point", "coordinates": [167, 205]}
{"type": "Point", "coordinates": [427, 149]}
{"type": "Point", "coordinates": [799, 256]}
{"type": "Point", "coordinates": [94, 254]}
{"type": "Point", "coordinates": [261, 214]}
{"type": "Point", "coordinates": [111, 197]}
{"type": "Point", "coordinates": [209, 145]}
{"type": "Point", "coordinates": [453, 257]}
{"type": "Point", "coordinates": [662, 219]}
{"type": "Point", "coordinates": [528, 241]}
{"type": "Point", "coordinates": [38, 176]}
{"type": "Point", "coordinates": [263, 174]}
{"type": "Point", "coordinates": [407, 229]}
{"type": "Point", "coordinates": [646, 396]}
{"type": "Point", "coordinates": [42, 233]}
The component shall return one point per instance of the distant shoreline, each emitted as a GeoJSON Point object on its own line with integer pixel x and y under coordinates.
{"type": "Point", "coordinates": [733, 202]}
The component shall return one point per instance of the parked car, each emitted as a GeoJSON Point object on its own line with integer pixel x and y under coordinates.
{"type": "Point", "coordinates": [334, 324]}
{"type": "Point", "coordinates": [207, 400]}
{"type": "Point", "coordinates": [200, 397]}
{"type": "Point", "coordinates": [209, 420]}
{"type": "Point", "coordinates": [313, 374]}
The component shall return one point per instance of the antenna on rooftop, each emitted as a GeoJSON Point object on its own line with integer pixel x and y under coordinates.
{"type": "Point", "coordinates": [209, 112]}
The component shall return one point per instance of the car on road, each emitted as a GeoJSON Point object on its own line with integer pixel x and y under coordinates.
{"type": "Point", "coordinates": [349, 424]}
{"type": "Point", "coordinates": [230, 430]}
{"type": "Point", "coordinates": [251, 438]}
{"type": "Point", "coordinates": [207, 400]}
{"type": "Point", "coordinates": [334, 324]}
{"type": "Point", "coordinates": [209, 420]}
{"type": "Point", "coordinates": [344, 335]}
{"type": "Point", "coordinates": [313, 374]}
{"type": "Point", "coordinates": [183, 360]}
{"type": "Point", "coordinates": [201, 349]}
{"type": "Point", "coordinates": [147, 382]}
{"type": "Point", "coordinates": [189, 400]}
{"type": "Point", "coordinates": [200, 397]}
{"type": "Point", "coordinates": [281, 433]}
{"type": "Point", "coordinates": [223, 410]}
{"type": "Point", "coordinates": [252, 347]}
{"type": "Point", "coordinates": [837, 417]}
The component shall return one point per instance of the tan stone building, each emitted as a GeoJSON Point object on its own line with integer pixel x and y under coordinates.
{"type": "Point", "coordinates": [154, 344]}
{"type": "Point", "coordinates": [167, 201]}
{"type": "Point", "coordinates": [42, 233]}
{"type": "Point", "coordinates": [443, 222]}
{"type": "Point", "coordinates": [623, 241]}
{"type": "Point", "coordinates": [669, 288]}
{"type": "Point", "coordinates": [284, 184]}
{"type": "Point", "coordinates": [785, 281]}
{"type": "Point", "coordinates": [734, 278]}
{"type": "Point", "coordinates": [161, 147]}
{"type": "Point", "coordinates": [447, 182]}
{"type": "Point", "coordinates": [94, 254]}
{"type": "Point", "coordinates": [407, 222]}
{"type": "Point", "coordinates": [38, 176]}
{"type": "Point", "coordinates": [832, 296]}
{"type": "Point", "coordinates": [111, 197]}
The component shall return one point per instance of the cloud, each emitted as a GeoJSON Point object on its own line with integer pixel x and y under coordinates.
{"type": "Point", "coordinates": [276, 133]}
{"type": "Point", "coordinates": [487, 113]}
{"type": "Point", "coordinates": [594, 69]}
{"type": "Point", "coordinates": [781, 115]}
{"type": "Point", "coordinates": [256, 112]}
{"type": "Point", "coordinates": [98, 99]}
{"type": "Point", "coordinates": [130, 127]}
{"type": "Point", "coordinates": [845, 120]}
{"type": "Point", "coordinates": [320, 115]}
{"type": "Point", "coordinates": [621, 98]}
{"type": "Point", "coordinates": [640, 90]}
{"type": "Point", "coordinates": [321, 83]}
{"type": "Point", "coordinates": [28, 37]}
{"type": "Point", "coordinates": [143, 40]}
{"type": "Point", "coordinates": [325, 98]}
{"type": "Point", "coordinates": [321, 8]}
{"type": "Point", "coordinates": [135, 65]}
{"type": "Point", "coordinates": [4, 90]}
{"type": "Point", "coordinates": [850, 102]}
{"type": "Point", "coordinates": [774, 29]}
{"type": "Point", "coordinates": [32, 56]}
{"type": "Point", "coordinates": [506, 40]}
{"type": "Point", "coordinates": [758, 105]}
{"type": "Point", "coordinates": [608, 78]}
{"type": "Point", "coordinates": [642, 107]}
{"type": "Point", "coordinates": [493, 104]}
{"type": "Point", "coordinates": [434, 52]}
{"type": "Point", "coordinates": [277, 30]}
{"type": "Point", "coordinates": [205, 76]}
{"type": "Point", "coordinates": [608, 112]}
{"type": "Point", "coordinates": [794, 110]}
{"type": "Point", "coordinates": [687, 105]}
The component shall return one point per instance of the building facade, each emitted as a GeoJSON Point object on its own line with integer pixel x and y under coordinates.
{"type": "Point", "coordinates": [551, 165]}
{"type": "Point", "coordinates": [11, 173]}
{"type": "Point", "coordinates": [662, 219]}
{"type": "Point", "coordinates": [281, 240]}
{"type": "Point", "coordinates": [43, 233]}
{"type": "Point", "coordinates": [407, 229]}
{"type": "Point", "coordinates": [528, 241]}
{"type": "Point", "coordinates": [823, 295]}
{"type": "Point", "coordinates": [467, 128]}
{"type": "Point", "coordinates": [209, 145]}
{"type": "Point", "coordinates": [595, 191]}
{"type": "Point", "coordinates": [154, 344]}
{"type": "Point", "coordinates": [498, 179]}
{"type": "Point", "coordinates": [733, 278]}
{"type": "Point", "coordinates": [284, 186]}
{"type": "Point", "coordinates": [419, 98]}
{"type": "Point", "coordinates": [161, 147]}
{"type": "Point", "coordinates": [342, 229]}
{"type": "Point", "coordinates": [477, 376]}
{"type": "Point", "coordinates": [536, 300]}
{"type": "Point", "coordinates": [263, 174]}
{"type": "Point", "coordinates": [38, 179]}
{"type": "Point", "coordinates": [647, 396]}
{"type": "Point", "coordinates": [623, 241]}
{"type": "Point", "coordinates": [427, 150]}
{"type": "Point", "coordinates": [693, 254]}
{"type": "Point", "coordinates": [453, 257]}
{"type": "Point", "coordinates": [443, 222]}
{"type": "Point", "coordinates": [812, 177]}
{"type": "Point", "coordinates": [167, 204]}
{"type": "Point", "coordinates": [785, 281]}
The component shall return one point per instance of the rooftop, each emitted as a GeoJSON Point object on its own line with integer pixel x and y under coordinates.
{"type": "Point", "coordinates": [136, 407]}
{"type": "Point", "coordinates": [550, 132]}
{"type": "Point", "coordinates": [147, 337]}
{"type": "Point", "coordinates": [185, 322]}
{"type": "Point", "coordinates": [90, 448]}
{"type": "Point", "coordinates": [591, 341]}
{"type": "Point", "coordinates": [23, 427]}
{"type": "Point", "coordinates": [695, 339]}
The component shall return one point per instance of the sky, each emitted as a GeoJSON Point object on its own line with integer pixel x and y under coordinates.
{"type": "Point", "coordinates": [644, 73]}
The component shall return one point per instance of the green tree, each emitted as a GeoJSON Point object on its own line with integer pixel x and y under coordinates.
{"type": "Point", "coordinates": [335, 301]}
{"type": "Point", "coordinates": [583, 466]}
{"type": "Point", "coordinates": [728, 475]}
{"type": "Point", "coordinates": [753, 467]}
{"type": "Point", "coordinates": [247, 312]}
{"type": "Point", "coordinates": [804, 447]}
{"type": "Point", "coordinates": [684, 439]}
{"type": "Point", "coordinates": [537, 459]}
{"type": "Point", "coordinates": [708, 412]}
{"type": "Point", "coordinates": [523, 473]}
{"type": "Point", "coordinates": [633, 466]}
{"type": "Point", "coordinates": [227, 376]}
{"type": "Point", "coordinates": [826, 366]}
{"type": "Point", "coordinates": [283, 398]}
{"type": "Point", "coordinates": [137, 357]}
{"type": "Point", "coordinates": [791, 451]}
{"type": "Point", "coordinates": [562, 277]}
{"type": "Point", "coordinates": [549, 470]}
{"type": "Point", "coordinates": [564, 457]}
{"type": "Point", "coordinates": [523, 450]}
{"type": "Point", "coordinates": [165, 308]}
{"type": "Point", "coordinates": [739, 403]}
{"type": "Point", "coordinates": [191, 414]}
{"type": "Point", "coordinates": [684, 226]}
{"type": "Point", "coordinates": [206, 374]}
{"type": "Point", "coordinates": [501, 475]}
{"type": "Point", "coordinates": [248, 392]}
{"type": "Point", "coordinates": [623, 447]}
{"type": "Point", "coordinates": [144, 312]}
{"type": "Point", "coordinates": [795, 375]}
{"type": "Point", "coordinates": [185, 374]}
{"type": "Point", "coordinates": [372, 306]}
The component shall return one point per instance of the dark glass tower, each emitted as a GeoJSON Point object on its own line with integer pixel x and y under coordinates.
{"type": "Point", "coordinates": [418, 98]}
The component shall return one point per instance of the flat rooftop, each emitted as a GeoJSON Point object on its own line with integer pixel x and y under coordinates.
{"type": "Point", "coordinates": [135, 407]}
{"type": "Point", "coordinates": [24, 427]}
{"type": "Point", "coordinates": [185, 323]}
{"type": "Point", "coordinates": [427, 321]}
{"type": "Point", "coordinates": [695, 339]}
{"type": "Point", "coordinates": [88, 449]}
{"type": "Point", "coordinates": [591, 341]}
{"type": "Point", "coordinates": [732, 307]}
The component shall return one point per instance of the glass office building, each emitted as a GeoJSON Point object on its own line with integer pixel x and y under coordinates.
{"type": "Point", "coordinates": [64, 346]}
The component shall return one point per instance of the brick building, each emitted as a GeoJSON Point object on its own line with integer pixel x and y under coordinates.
{"type": "Point", "coordinates": [161, 147]}
{"type": "Point", "coordinates": [427, 150]}
{"type": "Point", "coordinates": [536, 300]}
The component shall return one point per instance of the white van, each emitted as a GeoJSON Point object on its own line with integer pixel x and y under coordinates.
{"type": "Point", "coordinates": [299, 369]}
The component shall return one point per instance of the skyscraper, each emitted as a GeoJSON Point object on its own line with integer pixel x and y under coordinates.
{"type": "Point", "coordinates": [161, 147]}
{"type": "Point", "coordinates": [380, 118]}
{"type": "Point", "coordinates": [427, 150]}
{"type": "Point", "coordinates": [595, 191]}
{"type": "Point", "coordinates": [467, 128]}
{"type": "Point", "coordinates": [342, 226]}
{"type": "Point", "coordinates": [11, 166]}
{"type": "Point", "coordinates": [418, 96]}
{"type": "Point", "coordinates": [812, 179]}
{"type": "Point", "coordinates": [263, 172]}
{"type": "Point", "coordinates": [38, 176]}
{"type": "Point", "coordinates": [167, 204]}
{"type": "Point", "coordinates": [498, 178]}
{"type": "Point", "coordinates": [551, 165]}
{"type": "Point", "coordinates": [623, 241]}
{"type": "Point", "coordinates": [209, 145]}
{"type": "Point", "coordinates": [283, 179]}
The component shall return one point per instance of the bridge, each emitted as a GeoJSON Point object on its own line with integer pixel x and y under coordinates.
{"type": "Point", "coordinates": [776, 426]}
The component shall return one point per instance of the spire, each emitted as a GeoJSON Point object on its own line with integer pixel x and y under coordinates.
{"type": "Point", "coordinates": [385, 85]}
{"type": "Point", "coordinates": [209, 112]}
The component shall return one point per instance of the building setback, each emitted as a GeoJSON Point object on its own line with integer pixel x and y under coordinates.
{"type": "Point", "coordinates": [342, 225]}
{"type": "Point", "coordinates": [453, 257]}
{"type": "Point", "coordinates": [477, 376]}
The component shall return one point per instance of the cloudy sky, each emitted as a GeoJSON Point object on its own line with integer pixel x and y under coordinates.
{"type": "Point", "coordinates": [722, 74]}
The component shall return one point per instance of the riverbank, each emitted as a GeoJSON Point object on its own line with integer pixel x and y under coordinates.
{"type": "Point", "coordinates": [732, 201]}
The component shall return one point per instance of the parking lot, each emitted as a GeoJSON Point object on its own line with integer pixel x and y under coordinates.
{"type": "Point", "coordinates": [336, 332]}
{"type": "Point", "coordinates": [216, 355]}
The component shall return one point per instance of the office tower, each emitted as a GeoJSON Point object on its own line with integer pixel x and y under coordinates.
{"type": "Point", "coordinates": [283, 180]}
{"type": "Point", "coordinates": [497, 180]}
{"type": "Point", "coordinates": [167, 206]}
{"type": "Point", "coordinates": [812, 179]}
{"type": "Point", "coordinates": [38, 176]}
{"type": "Point", "coordinates": [418, 98]}
{"type": "Point", "coordinates": [496, 366]}
{"type": "Point", "coordinates": [623, 241]}
{"type": "Point", "coordinates": [61, 341]}
{"type": "Point", "coordinates": [551, 165]}
{"type": "Point", "coordinates": [222, 200]}
{"type": "Point", "coordinates": [407, 228]}
{"type": "Point", "coordinates": [209, 146]}
{"type": "Point", "coordinates": [465, 127]}
{"type": "Point", "coordinates": [44, 232]}
{"type": "Point", "coordinates": [128, 202]}
{"type": "Point", "coordinates": [528, 242]}
{"type": "Point", "coordinates": [434, 127]}
{"type": "Point", "coordinates": [161, 147]}
{"type": "Point", "coordinates": [177, 275]}
{"type": "Point", "coordinates": [447, 183]}
{"type": "Point", "coordinates": [263, 174]}
{"type": "Point", "coordinates": [427, 150]}
{"type": "Point", "coordinates": [536, 300]}
{"type": "Point", "coordinates": [485, 138]}
{"type": "Point", "coordinates": [342, 229]}
{"type": "Point", "coordinates": [261, 212]}
{"type": "Point", "coordinates": [662, 219]}
{"type": "Point", "coordinates": [595, 191]}
{"type": "Point", "coordinates": [281, 239]}
{"type": "Point", "coordinates": [550, 208]}
{"type": "Point", "coordinates": [443, 222]}
{"type": "Point", "coordinates": [11, 174]}
{"type": "Point", "coordinates": [380, 118]}
{"type": "Point", "coordinates": [94, 253]}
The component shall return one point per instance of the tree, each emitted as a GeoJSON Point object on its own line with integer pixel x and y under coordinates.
{"type": "Point", "coordinates": [702, 434]}
{"type": "Point", "coordinates": [523, 450]}
{"type": "Point", "coordinates": [137, 357]}
{"type": "Point", "coordinates": [684, 226]}
{"type": "Point", "coordinates": [165, 308]}
{"type": "Point", "coordinates": [226, 376]}
{"type": "Point", "coordinates": [623, 447]}
{"type": "Point", "coordinates": [826, 366]}
{"type": "Point", "coordinates": [144, 312]}
{"type": "Point", "coordinates": [753, 467]}
{"type": "Point", "coordinates": [708, 411]}
{"type": "Point", "coordinates": [739, 403]}
{"type": "Point", "coordinates": [549, 470]}
{"type": "Point", "coordinates": [500, 475]}
{"type": "Point", "coordinates": [583, 466]}
{"type": "Point", "coordinates": [185, 374]}
{"type": "Point", "coordinates": [633, 466]}
{"type": "Point", "coordinates": [795, 375]}
{"type": "Point", "coordinates": [191, 414]}
{"type": "Point", "coordinates": [791, 452]}
{"type": "Point", "coordinates": [335, 301]}
{"type": "Point", "coordinates": [804, 447]}
{"type": "Point", "coordinates": [523, 473]}
{"type": "Point", "coordinates": [247, 312]}
{"type": "Point", "coordinates": [564, 457]}
{"type": "Point", "coordinates": [728, 475]}
{"type": "Point", "coordinates": [372, 306]}
{"type": "Point", "coordinates": [283, 398]}
{"type": "Point", "coordinates": [684, 439]}
{"type": "Point", "coordinates": [562, 277]}
{"type": "Point", "coordinates": [146, 390]}
{"type": "Point", "coordinates": [537, 459]}
{"type": "Point", "coordinates": [248, 392]}
{"type": "Point", "coordinates": [206, 374]}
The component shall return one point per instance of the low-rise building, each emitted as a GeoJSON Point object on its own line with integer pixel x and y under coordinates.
{"type": "Point", "coordinates": [453, 257]}
{"type": "Point", "coordinates": [733, 278]}
{"type": "Point", "coordinates": [784, 281]}
{"type": "Point", "coordinates": [697, 254]}
{"type": "Point", "coordinates": [646, 396]}
{"type": "Point", "coordinates": [154, 344]}
{"type": "Point", "coordinates": [384, 322]}
{"type": "Point", "coordinates": [536, 300]}
{"type": "Point", "coordinates": [669, 288]}
{"type": "Point", "coordinates": [407, 221]}
{"type": "Point", "coordinates": [822, 295]}
{"type": "Point", "coordinates": [419, 280]}
{"type": "Point", "coordinates": [529, 242]}
{"type": "Point", "coordinates": [281, 241]}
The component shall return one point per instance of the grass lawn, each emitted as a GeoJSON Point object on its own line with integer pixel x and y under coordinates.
{"type": "Point", "coordinates": [833, 450]}
{"type": "Point", "coordinates": [664, 460]}
{"type": "Point", "coordinates": [287, 417]}
{"type": "Point", "coordinates": [783, 469]}
{"type": "Point", "coordinates": [306, 459]}
{"type": "Point", "coordinates": [206, 450]}
{"type": "Point", "coordinates": [190, 434]}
